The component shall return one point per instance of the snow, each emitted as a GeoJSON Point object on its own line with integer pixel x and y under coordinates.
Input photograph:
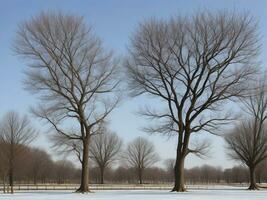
{"type": "Point", "coordinates": [202, 194]}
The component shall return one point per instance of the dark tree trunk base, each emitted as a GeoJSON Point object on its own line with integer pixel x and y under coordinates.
{"type": "Point", "coordinates": [83, 190]}
{"type": "Point", "coordinates": [102, 175]}
{"type": "Point", "coordinates": [179, 189]}
{"type": "Point", "coordinates": [84, 185]}
{"type": "Point", "coordinates": [253, 187]}
{"type": "Point", "coordinates": [179, 181]}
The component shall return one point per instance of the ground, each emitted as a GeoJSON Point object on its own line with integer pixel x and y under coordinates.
{"type": "Point", "coordinates": [200, 194]}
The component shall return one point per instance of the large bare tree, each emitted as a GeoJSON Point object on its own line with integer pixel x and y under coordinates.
{"type": "Point", "coordinates": [104, 150]}
{"type": "Point", "coordinates": [247, 142]}
{"type": "Point", "coordinates": [140, 154]}
{"type": "Point", "coordinates": [16, 132]}
{"type": "Point", "coordinates": [72, 73]}
{"type": "Point", "coordinates": [193, 65]}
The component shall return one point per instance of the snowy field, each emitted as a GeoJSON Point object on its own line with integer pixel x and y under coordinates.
{"type": "Point", "coordinates": [212, 194]}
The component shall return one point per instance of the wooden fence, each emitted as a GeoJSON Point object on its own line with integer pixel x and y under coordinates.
{"type": "Point", "coordinates": [113, 187]}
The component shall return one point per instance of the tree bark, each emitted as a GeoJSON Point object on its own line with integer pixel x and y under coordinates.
{"type": "Point", "coordinates": [140, 176]}
{"type": "Point", "coordinates": [11, 180]}
{"type": "Point", "coordinates": [102, 175]}
{"type": "Point", "coordinates": [253, 184]}
{"type": "Point", "coordinates": [4, 184]}
{"type": "Point", "coordinates": [34, 180]}
{"type": "Point", "coordinates": [84, 187]}
{"type": "Point", "coordinates": [11, 171]}
{"type": "Point", "coordinates": [179, 185]}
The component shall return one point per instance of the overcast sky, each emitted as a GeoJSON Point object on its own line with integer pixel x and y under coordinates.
{"type": "Point", "coordinates": [113, 21]}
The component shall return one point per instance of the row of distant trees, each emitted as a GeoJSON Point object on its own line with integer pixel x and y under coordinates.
{"type": "Point", "coordinates": [106, 148]}
{"type": "Point", "coordinates": [196, 67]}
{"type": "Point", "coordinates": [36, 166]}
{"type": "Point", "coordinates": [132, 164]}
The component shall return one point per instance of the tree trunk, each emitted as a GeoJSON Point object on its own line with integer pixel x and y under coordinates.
{"type": "Point", "coordinates": [4, 184]}
{"type": "Point", "coordinates": [84, 187]}
{"type": "Point", "coordinates": [258, 179]}
{"type": "Point", "coordinates": [11, 164]}
{"type": "Point", "coordinates": [34, 180]}
{"type": "Point", "coordinates": [10, 176]}
{"type": "Point", "coordinates": [179, 185]}
{"type": "Point", "coordinates": [102, 175]}
{"type": "Point", "coordinates": [253, 185]}
{"type": "Point", "coordinates": [140, 176]}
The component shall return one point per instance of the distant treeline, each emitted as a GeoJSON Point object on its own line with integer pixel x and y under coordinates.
{"type": "Point", "coordinates": [204, 174]}
{"type": "Point", "coordinates": [36, 166]}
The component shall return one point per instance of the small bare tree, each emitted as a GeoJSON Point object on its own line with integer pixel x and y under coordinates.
{"type": "Point", "coordinates": [248, 140]}
{"type": "Point", "coordinates": [72, 73]}
{"type": "Point", "coordinates": [38, 162]}
{"type": "Point", "coordinates": [261, 171]}
{"type": "Point", "coordinates": [140, 154]}
{"type": "Point", "coordinates": [193, 65]}
{"type": "Point", "coordinates": [63, 145]}
{"type": "Point", "coordinates": [169, 163]}
{"type": "Point", "coordinates": [16, 132]}
{"type": "Point", "coordinates": [104, 150]}
{"type": "Point", "coordinates": [3, 165]}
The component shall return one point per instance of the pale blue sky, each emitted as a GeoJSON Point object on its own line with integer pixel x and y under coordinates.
{"type": "Point", "coordinates": [113, 21]}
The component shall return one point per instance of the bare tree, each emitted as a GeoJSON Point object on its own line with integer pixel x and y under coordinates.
{"type": "Point", "coordinates": [260, 171]}
{"type": "Point", "coordinates": [248, 140]}
{"type": "Point", "coordinates": [16, 132]}
{"type": "Point", "coordinates": [104, 150]}
{"type": "Point", "coordinates": [140, 154]}
{"type": "Point", "coordinates": [236, 174]}
{"type": "Point", "coordinates": [193, 65]}
{"type": "Point", "coordinates": [169, 167]}
{"type": "Point", "coordinates": [63, 145]}
{"type": "Point", "coordinates": [169, 163]}
{"type": "Point", "coordinates": [38, 162]}
{"type": "Point", "coordinates": [72, 73]}
{"type": "Point", "coordinates": [3, 165]}
{"type": "Point", "coordinates": [64, 170]}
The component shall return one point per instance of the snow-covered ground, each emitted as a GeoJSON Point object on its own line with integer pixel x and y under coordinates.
{"type": "Point", "coordinates": [212, 194]}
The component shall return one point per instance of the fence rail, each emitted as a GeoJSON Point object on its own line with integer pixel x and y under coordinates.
{"type": "Point", "coordinates": [115, 187]}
